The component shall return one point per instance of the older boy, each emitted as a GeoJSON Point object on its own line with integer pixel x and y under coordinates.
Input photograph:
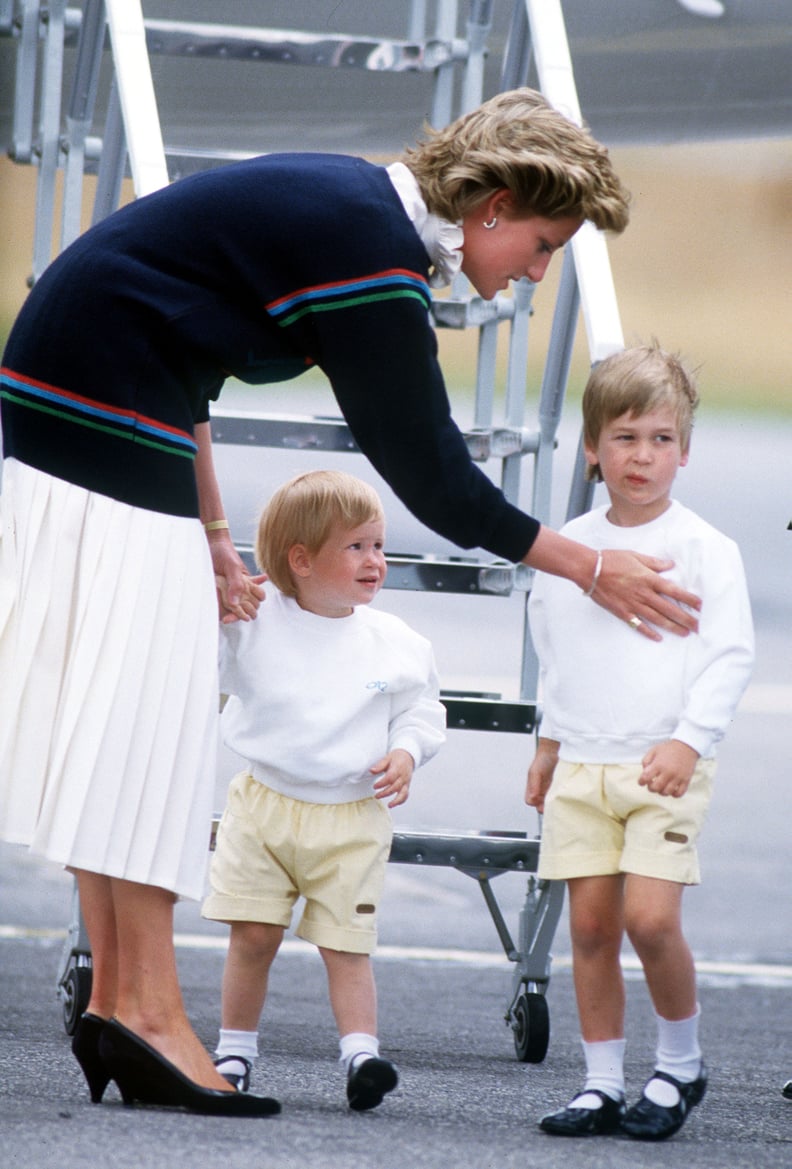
{"type": "Point", "coordinates": [625, 762]}
{"type": "Point", "coordinates": [334, 705]}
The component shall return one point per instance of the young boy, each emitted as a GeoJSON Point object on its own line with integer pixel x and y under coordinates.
{"type": "Point", "coordinates": [333, 705]}
{"type": "Point", "coordinates": [625, 762]}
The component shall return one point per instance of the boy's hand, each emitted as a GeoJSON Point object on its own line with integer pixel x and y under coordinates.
{"type": "Point", "coordinates": [250, 597]}
{"type": "Point", "coordinates": [668, 768]}
{"type": "Point", "coordinates": [395, 771]}
{"type": "Point", "coordinates": [238, 593]}
{"type": "Point", "coordinates": [540, 773]}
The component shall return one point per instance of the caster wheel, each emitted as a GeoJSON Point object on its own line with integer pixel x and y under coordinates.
{"type": "Point", "coordinates": [531, 1027]}
{"type": "Point", "coordinates": [76, 993]}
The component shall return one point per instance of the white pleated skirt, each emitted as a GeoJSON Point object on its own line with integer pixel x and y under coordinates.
{"type": "Point", "coordinates": [108, 683]}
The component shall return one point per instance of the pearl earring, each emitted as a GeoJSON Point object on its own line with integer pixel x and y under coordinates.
{"type": "Point", "coordinates": [489, 226]}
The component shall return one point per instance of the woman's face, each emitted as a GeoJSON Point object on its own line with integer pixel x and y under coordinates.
{"type": "Point", "coordinates": [513, 248]}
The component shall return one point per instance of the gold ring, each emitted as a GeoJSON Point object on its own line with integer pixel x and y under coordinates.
{"type": "Point", "coordinates": [635, 622]}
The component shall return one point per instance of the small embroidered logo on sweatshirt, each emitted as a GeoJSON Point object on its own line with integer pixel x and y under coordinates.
{"type": "Point", "coordinates": [381, 686]}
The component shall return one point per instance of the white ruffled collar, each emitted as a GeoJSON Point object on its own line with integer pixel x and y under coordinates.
{"type": "Point", "coordinates": [442, 239]}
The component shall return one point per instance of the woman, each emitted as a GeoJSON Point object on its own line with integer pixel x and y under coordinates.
{"type": "Point", "coordinates": [107, 669]}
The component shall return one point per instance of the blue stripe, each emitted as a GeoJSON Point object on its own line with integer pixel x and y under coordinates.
{"type": "Point", "coordinates": [352, 286]}
{"type": "Point", "coordinates": [120, 421]}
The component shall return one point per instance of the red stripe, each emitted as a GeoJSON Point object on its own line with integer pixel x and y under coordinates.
{"type": "Point", "coordinates": [131, 414]}
{"type": "Point", "coordinates": [342, 283]}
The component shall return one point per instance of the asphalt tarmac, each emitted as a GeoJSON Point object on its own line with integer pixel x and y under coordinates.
{"type": "Point", "coordinates": [463, 1100]}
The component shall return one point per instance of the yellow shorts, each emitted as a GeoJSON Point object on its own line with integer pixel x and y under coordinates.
{"type": "Point", "coordinates": [598, 821]}
{"type": "Point", "coordinates": [272, 849]}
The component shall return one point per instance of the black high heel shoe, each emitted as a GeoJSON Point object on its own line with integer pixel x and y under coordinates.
{"type": "Point", "coordinates": [85, 1049]}
{"type": "Point", "coordinates": [143, 1075]}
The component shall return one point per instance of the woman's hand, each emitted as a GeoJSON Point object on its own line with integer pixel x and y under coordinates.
{"type": "Point", "coordinates": [629, 587]}
{"type": "Point", "coordinates": [238, 593]}
{"type": "Point", "coordinates": [627, 583]}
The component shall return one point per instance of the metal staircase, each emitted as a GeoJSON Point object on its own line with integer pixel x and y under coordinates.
{"type": "Point", "coordinates": [85, 106]}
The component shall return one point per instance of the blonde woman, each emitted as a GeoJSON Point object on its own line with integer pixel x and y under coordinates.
{"type": "Point", "coordinates": [110, 505]}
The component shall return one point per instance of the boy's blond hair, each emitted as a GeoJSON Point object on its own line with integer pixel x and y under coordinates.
{"type": "Point", "coordinates": [519, 142]}
{"type": "Point", "coordinates": [636, 381]}
{"type": "Point", "coordinates": [304, 511]}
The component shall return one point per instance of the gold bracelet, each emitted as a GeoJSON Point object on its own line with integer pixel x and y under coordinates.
{"type": "Point", "coordinates": [215, 525]}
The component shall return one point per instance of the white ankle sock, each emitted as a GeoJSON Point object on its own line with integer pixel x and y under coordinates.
{"type": "Point", "coordinates": [604, 1072]}
{"type": "Point", "coordinates": [244, 1043]}
{"type": "Point", "coordinates": [678, 1054]}
{"type": "Point", "coordinates": [357, 1044]}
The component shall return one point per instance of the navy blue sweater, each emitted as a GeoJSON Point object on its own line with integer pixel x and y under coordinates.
{"type": "Point", "coordinates": [255, 270]}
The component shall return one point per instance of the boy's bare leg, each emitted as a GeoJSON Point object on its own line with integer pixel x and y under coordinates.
{"type": "Point", "coordinates": [653, 922]}
{"type": "Point", "coordinates": [597, 926]}
{"type": "Point", "coordinates": [353, 993]}
{"type": "Point", "coordinates": [353, 997]}
{"type": "Point", "coordinates": [251, 952]}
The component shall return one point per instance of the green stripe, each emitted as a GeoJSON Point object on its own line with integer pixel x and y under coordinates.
{"type": "Point", "coordinates": [135, 436]}
{"type": "Point", "coordinates": [351, 302]}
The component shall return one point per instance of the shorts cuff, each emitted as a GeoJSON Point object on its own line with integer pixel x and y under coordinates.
{"type": "Point", "coordinates": [331, 937]}
{"type": "Point", "coordinates": [222, 907]}
{"type": "Point", "coordinates": [682, 870]}
{"type": "Point", "coordinates": [591, 864]}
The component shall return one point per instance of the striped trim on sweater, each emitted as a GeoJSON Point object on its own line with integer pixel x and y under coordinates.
{"type": "Point", "coordinates": [125, 424]}
{"type": "Point", "coordinates": [391, 284]}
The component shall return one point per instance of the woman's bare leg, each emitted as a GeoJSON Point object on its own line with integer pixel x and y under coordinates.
{"type": "Point", "coordinates": [96, 906]}
{"type": "Point", "coordinates": [149, 1000]}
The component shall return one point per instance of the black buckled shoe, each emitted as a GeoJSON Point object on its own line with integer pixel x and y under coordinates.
{"type": "Point", "coordinates": [369, 1082]}
{"type": "Point", "coordinates": [237, 1079]}
{"type": "Point", "coordinates": [585, 1122]}
{"type": "Point", "coordinates": [786, 1091]}
{"type": "Point", "coordinates": [647, 1121]}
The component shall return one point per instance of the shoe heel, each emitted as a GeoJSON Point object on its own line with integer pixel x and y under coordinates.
{"type": "Point", "coordinates": [85, 1049]}
{"type": "Point", "coordinates": [146, 1077]}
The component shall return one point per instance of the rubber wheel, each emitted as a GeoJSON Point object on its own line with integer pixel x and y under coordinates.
{"type": "Point", "coordinates": [76, 995]}
{"type": "Point", "coordinates": [531, 1027]}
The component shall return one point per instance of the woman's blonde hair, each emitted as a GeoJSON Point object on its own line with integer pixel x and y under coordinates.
{"type": "Point", "coordinates": [519, 142]}
{"type": "Point", "coordinates": [636, 381]}
{"type": "Point", "coordinates": [304, 511]}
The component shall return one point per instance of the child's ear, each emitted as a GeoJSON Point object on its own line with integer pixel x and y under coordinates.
{"type": "Point", "coordinates": [591, 455]}
{"type": "Point", "coordinates": [299, 560]}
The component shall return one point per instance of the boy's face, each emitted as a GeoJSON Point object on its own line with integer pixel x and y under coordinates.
{"type": "Point", "coordinates": [639, 458]}
{"type": "Point", "coordinates": [348, 570]}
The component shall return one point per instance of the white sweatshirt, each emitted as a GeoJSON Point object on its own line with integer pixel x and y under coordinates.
{"type": "Point", "coordinates": [317, 701]}
{"type": "Point", "coordinates": [609, 693]}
